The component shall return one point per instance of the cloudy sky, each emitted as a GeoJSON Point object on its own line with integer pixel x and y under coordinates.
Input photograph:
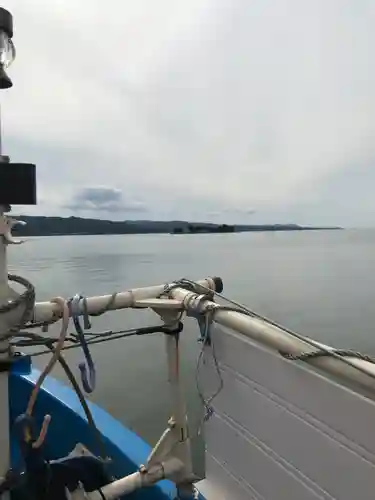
{"type": "Point", "coordinates": [233, 110]}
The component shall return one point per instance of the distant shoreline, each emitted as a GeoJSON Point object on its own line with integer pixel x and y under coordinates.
{"type": "Point", "coordinates": [69, 226]}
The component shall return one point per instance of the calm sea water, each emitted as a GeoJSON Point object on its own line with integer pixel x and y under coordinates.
{"type": "Point", "coordinates": [321, 284]}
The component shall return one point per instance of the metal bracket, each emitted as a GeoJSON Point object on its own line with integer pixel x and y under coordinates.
{"type": "Point", "coordinates": [169, 310]}
{"type": "Point", "coordinates": [164, 446]}
{"type": "Point", "coordinates": [170, 447]}
{"type": "Point", "coordinates": [6, 225]}
{"type": "Point", "coordinates": [159, 304]}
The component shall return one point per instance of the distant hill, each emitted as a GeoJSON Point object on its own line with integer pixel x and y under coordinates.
{"type": "Point", "coordinates": [48, 226]}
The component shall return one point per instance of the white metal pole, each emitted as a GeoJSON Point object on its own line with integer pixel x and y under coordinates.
{"type": "Point", "coordinates": [3, 254]}
{"type": "Point", "coordinates": [128, 484]}
{"type": "Point", "coordinates": [183, 448]}
{"type": "Point", "coordinates": [178, 404]}
{"type": "Point", "coordinates": [278, 339]}
{"type": "Point", "coordinates": [4, 345]}
{"type": "Point", "coordinates": [6, 320]}
{"type": "Point", "coordinates": [46, 311]}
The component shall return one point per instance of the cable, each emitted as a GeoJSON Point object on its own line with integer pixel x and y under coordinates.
{"type": "Point", "coordinates": [48, 368]}
{"type": "Point", "coordinates": [77, 389]}
{"type": "Point", "coordinates": [83, 402]}
{"type": "Point", "coordinates": [7, 484]}
{"type": "Point", "coordinates": [27, 297]}
{"type": "Point", "coordinates": [245, 310]}
{"type": "Point", "coordinates": [305, 356]}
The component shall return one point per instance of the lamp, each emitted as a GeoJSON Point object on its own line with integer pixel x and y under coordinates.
{"type": "Point", "coordinates": [7, 49]}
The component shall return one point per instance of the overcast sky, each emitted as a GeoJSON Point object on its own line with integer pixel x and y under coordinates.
{"type": "Point", "coordinates": [232, 110]}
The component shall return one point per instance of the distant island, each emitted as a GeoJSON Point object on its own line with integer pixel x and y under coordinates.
{"type": "Point", "coordinates": [50, 226]}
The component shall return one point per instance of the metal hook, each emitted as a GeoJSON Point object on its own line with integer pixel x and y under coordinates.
{"type": "Point", "coordinates": [25, 428]}
{"type": "Point", "coordinates": [88, 372]}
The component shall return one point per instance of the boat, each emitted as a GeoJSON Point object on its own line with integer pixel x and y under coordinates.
{"type": "Point", "coordinates": [283, 416]}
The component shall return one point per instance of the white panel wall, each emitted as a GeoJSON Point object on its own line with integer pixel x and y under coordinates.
{"type": "Point", "coordinates": [282, 431]}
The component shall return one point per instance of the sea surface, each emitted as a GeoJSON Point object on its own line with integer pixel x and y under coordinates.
{"type": "Point", "coordinates": [321, 284]}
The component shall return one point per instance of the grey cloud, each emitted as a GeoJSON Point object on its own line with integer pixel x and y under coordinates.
{"type": "Point", "coordinates": [103, 199]}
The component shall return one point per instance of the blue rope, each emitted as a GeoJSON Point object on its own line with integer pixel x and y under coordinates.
{"type": "Point", "coordinates": [87, 368]}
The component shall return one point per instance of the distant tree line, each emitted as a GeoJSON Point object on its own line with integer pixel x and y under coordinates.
{"type": "Point", "coordinates": [47, 226]}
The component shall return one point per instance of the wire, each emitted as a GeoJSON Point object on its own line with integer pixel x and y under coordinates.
{"type": "Point", "coordinates": [89, 342]}
{"type": "Point", "coordinates": [97, 338]}
{"type": "Point", "coordinates": [206, 337]}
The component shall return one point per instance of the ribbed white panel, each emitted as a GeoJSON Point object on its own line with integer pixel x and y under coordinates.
{"type": "Point", "coordinates": [281, 430]}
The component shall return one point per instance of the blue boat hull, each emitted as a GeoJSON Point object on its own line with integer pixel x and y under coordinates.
{"type": "Point", "coordinates": [69, 426]}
